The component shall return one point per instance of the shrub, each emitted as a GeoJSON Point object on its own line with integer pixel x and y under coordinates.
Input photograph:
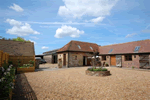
{"type": "Point", "coordinates": [90, 69]}
{"type": "Point", "coordinates": [31, 62]}
{"type": "Point", "coordinates": [10, 62]}
{"type": "Point", "coordinates": [26, 65]}
{"type": "Point", "coordinates": [7, 74]}
{"type": "Point", "coordinates": [97, 69]}
{"type": "Point", "coordinates": [104, 69]}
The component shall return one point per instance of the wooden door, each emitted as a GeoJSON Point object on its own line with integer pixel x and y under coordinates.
{"type": "Point", "coordinates": [88, 61]}
{"type": "Point", "coordinates": [144, 61]}
{"type": "Point", "coordinates": [64, 60]}
{"type": "Point", "coordinates": [113, 60]}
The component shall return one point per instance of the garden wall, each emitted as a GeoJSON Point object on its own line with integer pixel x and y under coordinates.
{"type": "Point", "coordinates": [23, 59]}
{"type": "Point", "coordinates": [18, 50]}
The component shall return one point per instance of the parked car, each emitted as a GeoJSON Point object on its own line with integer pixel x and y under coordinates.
{"type": "Point", "coordinates": [42, 61]}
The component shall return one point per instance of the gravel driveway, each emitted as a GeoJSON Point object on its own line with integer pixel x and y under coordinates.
{"type": "Point", "coordinates": [73, 84]}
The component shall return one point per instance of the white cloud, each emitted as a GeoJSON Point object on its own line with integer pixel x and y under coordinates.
{"type": "Point", "coordinates": [146, 31]}
{"type": "Point", "coordinates": [19, 28]}
{"type": "Point", "coordinates": [44, 47]}
{"type": "Point", "coordinates": [79, 8]}
{"type": "Point", "coordinates": [68, 31]}
{"type": "Point", "coordinates": [131, 35]}
{"type": "Point", "coordinates": [34, 37]}
{"type": "Point", "coordinates": [33, 41]}
{"type": "Point", "coordinates": [98, 19]}
{"type": "Point", "coordinates": [16, 8]}
{"type": "Point", "coordinates": [14, 22]}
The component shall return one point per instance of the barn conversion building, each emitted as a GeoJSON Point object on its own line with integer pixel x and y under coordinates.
{"type": "Point", "coordinates": [130, 54]}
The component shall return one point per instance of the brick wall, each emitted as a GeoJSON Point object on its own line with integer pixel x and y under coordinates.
{"type": "Point", "coordinates": [17, 48]}
{"type": "Point", "coordinates": [134, 62]}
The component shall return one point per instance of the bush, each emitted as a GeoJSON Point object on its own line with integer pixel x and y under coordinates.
{"type": "Point", "coordinates": [10, 62]}
{"type": "Point", "coordinates": [97, 69]}
{"type": "Point", "coordinates": [104, 69]}
{"type": "Point", "coordinates": [7, 74]}
{"type": "Point", "coordinates": [26, 65]}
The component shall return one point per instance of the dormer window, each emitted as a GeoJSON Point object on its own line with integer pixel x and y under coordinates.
{"type": "Point", "coordinates": [91, 48]}
{"type": "Point", "coordinates": [110, 50]}
{"type": "Point", "coordinates": [79, 47]}
{"type": "Point", "coordinates": [136, 48]}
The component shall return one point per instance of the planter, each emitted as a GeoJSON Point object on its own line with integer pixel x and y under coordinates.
{"type": "Point", "coordinates": [23, 70]}
{"type": "Point", "coordinates": [97, 73]}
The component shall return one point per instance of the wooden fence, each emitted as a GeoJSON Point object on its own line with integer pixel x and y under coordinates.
{"type": "Point", "coordinates": [3, 57]}
{"type": "Point", "coordinates": [23, 60]}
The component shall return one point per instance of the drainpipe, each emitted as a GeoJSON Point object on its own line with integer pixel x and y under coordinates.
{"type": "Point", "coordinates": [68, 59]}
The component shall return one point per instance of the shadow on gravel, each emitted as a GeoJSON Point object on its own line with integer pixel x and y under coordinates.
{"type": "Point", "coordinates": [23, 90]}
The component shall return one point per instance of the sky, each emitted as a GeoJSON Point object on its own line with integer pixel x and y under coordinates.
{"type": "Point", "coordinates": [51, 24]}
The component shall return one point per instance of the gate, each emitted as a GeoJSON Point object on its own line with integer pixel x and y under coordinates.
{"type": "Point", "coordinates": [144, 61]}
{"type": "Point", "coordinates": [118, 60]}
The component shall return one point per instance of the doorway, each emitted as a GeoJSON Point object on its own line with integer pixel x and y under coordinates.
{"type": "Point", "coordinates": [113, 60]}
{"type": "Point", "coordinates": [83, 60]}
{"type": "Point", "coordinates": [64, 60]}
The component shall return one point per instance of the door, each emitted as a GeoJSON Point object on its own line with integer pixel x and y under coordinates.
{"type": "Point", "coordinates": [118, 60]}
{"type": "Point", "coordinates": [54, 58]}
{"type": "Point", "coordinates": [64, 60]}
{"type": "Point", "coordinates": [83, 60]}
{"type": "Point", "coordinates": [88, 61]}
{"type": "Point", "coordinates": [113, 60]}
{"type": "Point", "coordinates": [144, 61]}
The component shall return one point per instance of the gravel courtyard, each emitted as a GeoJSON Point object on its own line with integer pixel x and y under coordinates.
{"type": "Point", "coordinates": [73, 84]}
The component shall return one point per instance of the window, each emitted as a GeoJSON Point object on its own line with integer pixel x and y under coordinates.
{"type": "Point", "coordinates": [91, 48]}
{"type": "Point", "coordinates": [136, 48]}
{"type": "Point", "coordinates": [103, 57]}
{"type": "Point", "coordinates": [110, 50]}
{"type": "Point", "coordinates": [128, 58]}
{"type": "Point", "coordinates": [134, 56]}
{"type": "Point", "coordinates": [79, 47]}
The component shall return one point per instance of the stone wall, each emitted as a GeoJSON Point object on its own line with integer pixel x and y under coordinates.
{"type": "Point", "coordinates": [17, 48]}
{"type": "Point", "coordinates": [48, 58]}
{"type": "Point", "coordinates": [78, 61]}
{"type": "Point", "coordinates": [97, 73]}
{"type": "Point", "coordinates": [134, 62]}
{"type": "Point", "coordinates": [60, 59]}
{"type": "Point", "coordinates": [106, 61]}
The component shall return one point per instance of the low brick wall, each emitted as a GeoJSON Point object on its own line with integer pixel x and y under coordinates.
{"type": "Point", "coordinates": [97, 73]}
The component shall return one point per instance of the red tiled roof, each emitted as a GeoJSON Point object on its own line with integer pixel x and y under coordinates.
{"type": "Point", "coordinates": [73, 46]}
{"type": "Point", "coordinates": [126, 47]}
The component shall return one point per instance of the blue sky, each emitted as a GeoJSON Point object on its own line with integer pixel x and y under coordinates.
{"type": "Point", "coordinates": [53, 23]}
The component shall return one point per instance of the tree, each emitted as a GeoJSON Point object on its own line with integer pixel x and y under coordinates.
{"type": "Point", "coordinates": [95, 61]}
